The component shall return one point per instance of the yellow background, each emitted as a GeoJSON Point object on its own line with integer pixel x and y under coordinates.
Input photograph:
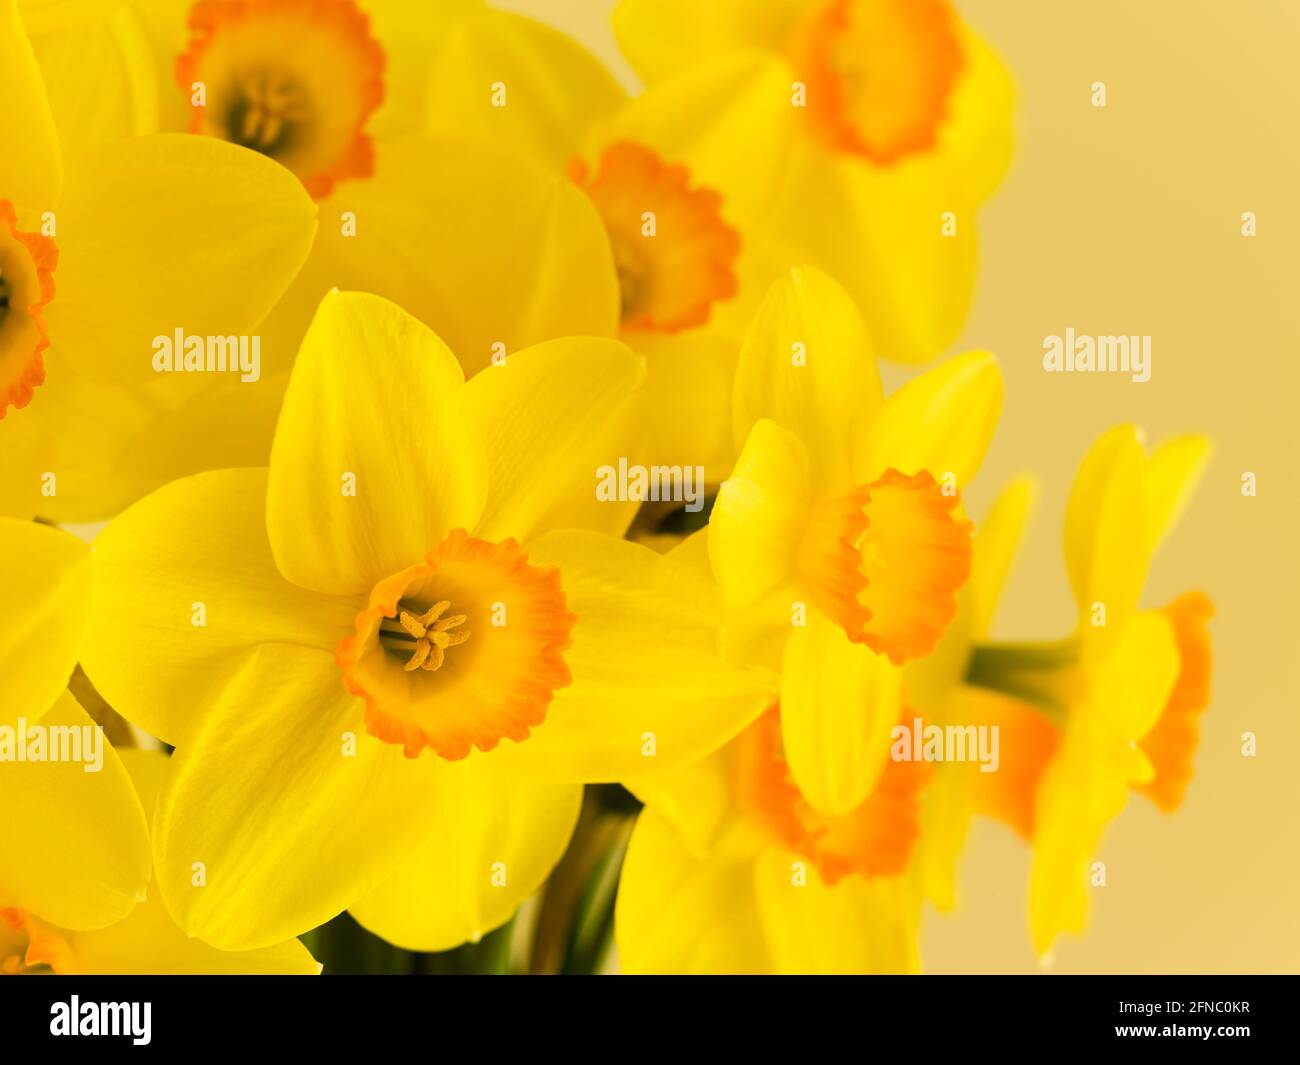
{"type": "Point", "coordinates": [1127, 220]}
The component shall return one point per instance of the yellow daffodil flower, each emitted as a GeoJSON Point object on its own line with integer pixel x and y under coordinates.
{"type": "Point", "coordinates": [836, 543]}
{"type": "Point", "coordinates": [935, 689]}
{"type": "Point", "coordinates": [146, 941]}
{"type": "Point", "coordinates": [383, 662]}
{"type": "Point", "coordinates": [859, 136]}
{"type": "Point", "coordinates": [495, 255]}
{"type": "Point", "coordinates": [104, 245]}
{"type": "Point", "coordinates": [677, 259]}
{"type": "Point", "coordinates": [1114, 707]}
{"type": "Point", "coordinates": [74, 846]}
{"type": "Point", "coordinates": [730, 869]}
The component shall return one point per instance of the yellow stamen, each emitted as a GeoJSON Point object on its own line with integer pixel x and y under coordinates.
{"type": "Point", "coordinates": [432, 636]}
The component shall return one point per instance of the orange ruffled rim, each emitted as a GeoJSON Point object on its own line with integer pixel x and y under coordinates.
{"type": "Point", "coordinates": [207, 18]}
{"type": "Point", "coordinates": [28, 372]}
{"type": "Point", "coordinates": [508, 686]}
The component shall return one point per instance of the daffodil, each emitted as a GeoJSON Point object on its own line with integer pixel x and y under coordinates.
{"type": "Point", "coordinates": [858, 136]}
{"type": "Point", "coordinates": [672, 247]}
{"type": "Point", "coordinates": [74, 845]}
{"type": "Point", "coordinates": [935, 688]}
{"type": "Point", "coordinates": [837, 543]}
{"type": "Point", "coordinates": [494, 254]}
{"type": "Point", "coordinates": [104, 245]}
{"type": "Point", "coordinates": [1112, 708]}
{"type": "Point", "coordinates": [144, 942]}
{"type": "Point", "coordinates": [384, 662]}
{"type": "Point", "coordinates": [731, 869]}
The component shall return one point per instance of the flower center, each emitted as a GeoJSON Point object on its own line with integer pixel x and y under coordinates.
{"type": "Point", "coordinates": [886, 561]}
{"type": "Point", "coordinates": [674, 254]}
{"type": "Point", "coordinates": [497, 685]}
{"type": "Point", "coordinates": [304, 104]}
{"type": "Point", "coordinates": [879, 74]}
{"type": "Point", "coordinates": [424, 637]}
{"type": "Point", "coordinates": [876, 839]}
{"type": "Point", "coordinates": [267, 113]}
{"type": "Point", "coordinates": [27, 262]}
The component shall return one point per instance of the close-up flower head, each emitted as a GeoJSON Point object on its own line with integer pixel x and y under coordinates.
{"type": "Point", "coordinates": [650, 488]}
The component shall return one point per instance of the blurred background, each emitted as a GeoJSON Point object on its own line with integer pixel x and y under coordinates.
{"type": "Point", "coordinates": [1127, 220]}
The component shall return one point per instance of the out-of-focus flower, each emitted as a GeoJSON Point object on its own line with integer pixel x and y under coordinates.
{"type": "Point", "coordinates": [858, 136]}
{"type": "Point", "coordinates": [494, 254]}
{"type": "Point", "coordinates": [376, 613]}
{"type": "Point", "coordinates": [837, 543]}
{"type": "Point", "coordinates": [104, 246]}
{"type": "Point", "coordinates": [74, 847]}
{"type": "Point", "coordinates": [145, 941]}
{"type": "Point", "coordinates": [731, 869]}
{"type": "Point", "coordinates": [672, 245]}
{"type": "Point", "coordinates": [1114, 707]}
{"type": "Point", "coordinates": [74, 843]}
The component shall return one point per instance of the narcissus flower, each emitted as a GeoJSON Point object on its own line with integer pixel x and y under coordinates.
{"type": "Point", "coordinates": [384, 663]}
{"type": "Point", "coordinates": [103, 246]}
{"type": "Point", "coordinates": [731, 869]}
{"type": "Point", "coordinates": [1114, 707]}
{"type": "Point", "coordinates": [671, 242]}
{"type": "Point", "coordinates": [837, 542]}
{"type": "Point", "coordinates": [74, 845]}
{"type": "Point", "coordinates": [858, 136]}
{"type": "Point", "coordinates": [144, 942]}
{"type": "Point", "coordinates": [494, 254]}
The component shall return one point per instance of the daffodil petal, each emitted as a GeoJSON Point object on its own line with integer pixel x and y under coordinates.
{"type": "Point", "coordinates": [997, 538]}
{"type": "Point", "coordinates": [941, 421]}
{"type": "Point", "coordinates": [552, 417]}
{"type": "Point", "coordinates": [410, 35]}
{"type": "Point", "coordinates": [698, 117]}
{"type": "Point", "coordinates": [857, 926]}
{"type": "Point", "coordinates": [1106, 540]}
{"type": "Point", "coordinates": [760, 515]}
{"type": "Point", "coordinates": [649, 692]}
{"type": "Point", "coordinates": [681, 914]}
{"type": "Point", "coordinates": [99, 74]}
{"type": "Point", "coordinates": [1133, 682]}
{"type": "Point", "coordinates": [489, 250]}
{"type": "Point", "coordinates": [185, 586]}
{"type": "Point", "coordinates": [282, 810]}
{"type": "Point", "coordinates": [366, 477]}
{"type": "Point", "coordinates": [493, 839]}
{"type": "Point", "coordinates": [1087, 784]}
{"type": "Point", "coordinates": [21, 475]}
{"type": "Point", "coordinates": [31, 168]}
{"type": "Point", "coordinates": [504, 79]}
{"type": "Point", "coordinates": [977, 140]}
{"type": "Point", "coordinates": [171, 232]}
{"type": "Point", "coordinates": [148, 942]}
{"type": "Point", "coordinates": [74, 845]}
{"type": "Point", "coordinates": [1173, 472]}
{"type": "Point", "coordinates": [839, 701]}
{"type": "Point", "coordinates": [689, 426]}
{"type": "Point", "coordinates": [47, 577]}
{"type": "Point", "coordinates": [695, 799]}
{"type": "Point", "coordinates": [110, 445]}
{"type": "Point", "coordinates": [662, 36]}
{"type": "Point", "coordinates": [807, 364]}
